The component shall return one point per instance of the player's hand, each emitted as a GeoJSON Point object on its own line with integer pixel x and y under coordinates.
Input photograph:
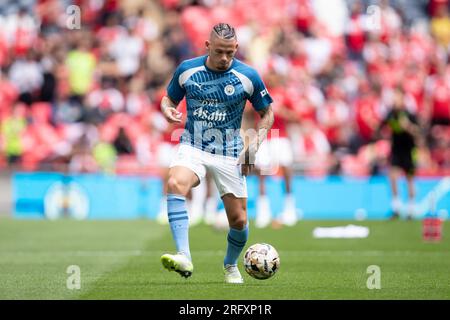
{"type": "Point", "coordinates": [246, 169]}
{"type": "Point", "coordinates": [172, 115]}
{"type": "Point", "coordinates": [247, 159]}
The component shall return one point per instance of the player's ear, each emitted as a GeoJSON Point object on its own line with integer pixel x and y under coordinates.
{"type": "Point", "coordinates": [207, 44]}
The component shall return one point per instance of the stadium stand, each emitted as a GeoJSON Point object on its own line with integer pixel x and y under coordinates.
{"type": "Point", "coordinates": [87, 99]}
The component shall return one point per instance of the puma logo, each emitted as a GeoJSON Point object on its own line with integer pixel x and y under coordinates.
{"type": "Point", "coordinates": [197, 84]}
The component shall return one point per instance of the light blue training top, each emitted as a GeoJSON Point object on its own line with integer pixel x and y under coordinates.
{"type": "Point", "coordinates": [215, 102]}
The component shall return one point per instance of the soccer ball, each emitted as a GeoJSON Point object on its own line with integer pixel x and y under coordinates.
{"type": "Point", "coordinates": [261, 261]}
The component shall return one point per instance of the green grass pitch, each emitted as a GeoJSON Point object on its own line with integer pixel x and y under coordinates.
{"type": "Point", "coordinates": [120, 260]}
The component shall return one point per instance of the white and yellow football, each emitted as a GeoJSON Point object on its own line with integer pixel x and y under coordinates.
{"type": "Point", "coordinates": [261, 261]}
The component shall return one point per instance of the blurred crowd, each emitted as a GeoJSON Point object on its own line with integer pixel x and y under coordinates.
{"type": "Point", "coordinates": [85, 98]}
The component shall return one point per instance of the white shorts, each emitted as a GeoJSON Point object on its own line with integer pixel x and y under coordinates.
{"type": "Point", "coordinates": [224, 170]}
{"type": "Point", "coordinates": [165, 154]}
{"type": "Point", "coordinates": [274, 153]}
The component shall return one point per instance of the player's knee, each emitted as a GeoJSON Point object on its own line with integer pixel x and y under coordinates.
{"type": "Point", "coordinates": [176, 186]}
{"type": "Point", "coordinates": [238, 223]}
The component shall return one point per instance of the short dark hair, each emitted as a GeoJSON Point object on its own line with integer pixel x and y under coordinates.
{"type": "Point", "coordinates": [224, 31]}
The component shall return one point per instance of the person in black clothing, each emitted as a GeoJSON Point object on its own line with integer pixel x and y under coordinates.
{"type": "Point", "coordinates": [122, 143]}
{"type": "Point", "coordinates": [404, 135]}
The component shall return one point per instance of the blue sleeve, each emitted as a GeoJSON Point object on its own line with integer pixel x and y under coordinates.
{"type": "Point", "coordinates": [174, 90]}
{"type": "Point", "coordinates": [260, 98]}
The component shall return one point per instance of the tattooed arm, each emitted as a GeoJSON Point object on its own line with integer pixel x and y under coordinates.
{"type": "Point", "coordinates": [251, 145]}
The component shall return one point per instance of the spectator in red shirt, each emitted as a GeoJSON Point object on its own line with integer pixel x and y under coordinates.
{"type": "Point", "coordinates": [367, 112]}
{"type": "Point", "coordinates": [355, 31]}
{"type": "Point", "coordinates": [438, 97]}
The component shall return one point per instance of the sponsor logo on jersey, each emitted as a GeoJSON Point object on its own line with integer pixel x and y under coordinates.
{"type": "Point", "coordinates": [204, 114]}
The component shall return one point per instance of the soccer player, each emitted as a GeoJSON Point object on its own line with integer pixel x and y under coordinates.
{"type": "Point", "coordinates": [216, 87]}
{"type": "Point", "coordinates": [404, 134]}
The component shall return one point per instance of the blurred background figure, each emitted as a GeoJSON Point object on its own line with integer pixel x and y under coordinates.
{"type": "Point", "coordinates": [440, 25]}
{"type": "Point", "coordinates": [275, 155]}
{"type": "Point", "coordinates": [13, 127]}
{"type": "Point", "coordinates": [405, 135]}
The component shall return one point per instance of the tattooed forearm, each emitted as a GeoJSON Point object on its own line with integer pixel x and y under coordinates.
{"type": "Point", "coordinates": [264, 124]}
{"type": "Point", "coordinates": [253, 141]}
{"type": "Point", "coordinates": [166, 102]}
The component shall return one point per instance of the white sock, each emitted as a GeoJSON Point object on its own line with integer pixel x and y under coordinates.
{"type": "Point", "coordinates": [263, 212]}
{"type": "Point", "coordinates": [210, 210]}
{"type": "Point", "coordinates": [199, 193]}
{"type": "Point", "coordinates": [263, 203]}
{"type": "Point", "coordinates": [396, 204]}
{"type": "Point", "coordinates": [289, 202]}
{"type": "Point", "coordinates": [197, 202]}
{"type": "Point", "coordinates": [289, 215]}
{"type": "Point", "coordinates": [411, 208]}
{"type": "Point", "coordinates": [162, 214]}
